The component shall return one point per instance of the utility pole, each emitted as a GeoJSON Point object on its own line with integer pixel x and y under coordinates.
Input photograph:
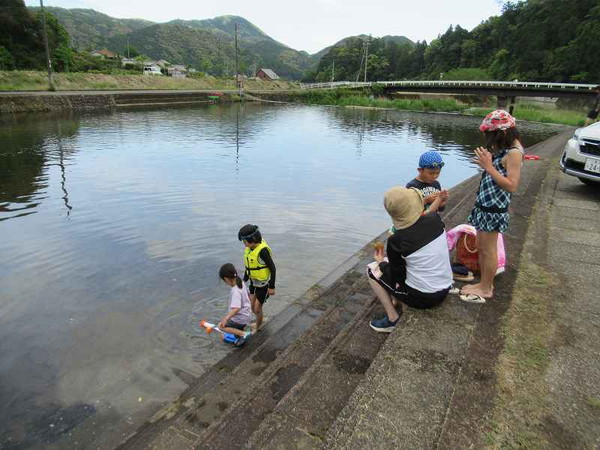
{"type": "Point", "coordinates": [237, 66]}
{"type": "Point", "coordinates": [51, 86]}
{"type": "Point", "coordinates": [333, 71]}
{"type": "Point", "coordinates": [128, 57]}
{"type": "Point", "coordinates": [367, 42]}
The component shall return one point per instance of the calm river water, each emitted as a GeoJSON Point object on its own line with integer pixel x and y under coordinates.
{"type": "Point", "coordinates": [113, 227]}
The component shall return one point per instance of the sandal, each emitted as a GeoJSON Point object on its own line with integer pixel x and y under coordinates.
{"type": "Point", "coordinates": [463, 278]}
{"type": "Point", "coordinates": [472, 298]}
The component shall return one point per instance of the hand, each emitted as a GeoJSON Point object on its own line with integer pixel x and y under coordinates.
{"type": "Point", "coordinates": [444, 196]}
{"type": "Point", "coordinates": [222, 323]}
{"type": "Point", "coordinates": [483, 159]}
{"type": "Point", "coordinates": [271, 292]}
{"type": "Point", "coordinates": [379, 254]}
{"type": "Point", "coordinates": [430, 198]}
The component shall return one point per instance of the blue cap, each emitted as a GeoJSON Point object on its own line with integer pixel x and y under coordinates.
{"type": "Point", "coordinates": [431, 160]}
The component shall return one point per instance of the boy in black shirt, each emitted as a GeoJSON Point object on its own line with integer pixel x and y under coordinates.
{"type": "Point", "coordinates": [430, 166]}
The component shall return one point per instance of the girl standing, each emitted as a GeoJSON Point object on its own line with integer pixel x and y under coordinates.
{"type": "Point", "coordinates": [501, 161]}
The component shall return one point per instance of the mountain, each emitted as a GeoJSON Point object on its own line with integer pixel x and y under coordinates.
{"type": "Point", "coordinates": [262, 50]}
{"type": "Point", "coordinates": [89, 29]}
{"type": "Point", "coordinates": [207, 45]}
{"type": "Point", "coordinates": [179, 44]}
{"type": "Point", "coordinates": [316, 57]}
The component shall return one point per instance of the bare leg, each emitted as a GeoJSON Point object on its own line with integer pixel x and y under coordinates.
{"type": "Point", "coordinates": [233, 331]}
{"type": "Point", "coordinates": [386, 300]}
{"type": "Point", "coordinates": [258, 312]}
{"type": "Point", "coordinates": [487, 247]}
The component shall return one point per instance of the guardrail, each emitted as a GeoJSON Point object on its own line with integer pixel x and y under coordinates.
{"type": "Point", "coordinates": [438, 83]}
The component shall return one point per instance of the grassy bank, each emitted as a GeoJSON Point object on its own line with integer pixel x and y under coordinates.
{"type": "Point", "coordinates": [522, 111]}
{"type": "Point", "coordinates": [37, 81]}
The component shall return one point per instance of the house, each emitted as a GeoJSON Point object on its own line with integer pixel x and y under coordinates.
{"type": "Point", "coordinates": [267, 74]}
{"type": "Point", "coordinates": [104, 54]}
{"type": "Point", "coordinates": [177, 71]}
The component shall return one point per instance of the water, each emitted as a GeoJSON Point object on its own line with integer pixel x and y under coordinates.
{"type": "Point", "coordinates": [113, 227]}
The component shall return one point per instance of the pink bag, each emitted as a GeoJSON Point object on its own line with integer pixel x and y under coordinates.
{"type": "Point", "coordinates": [457, 232]}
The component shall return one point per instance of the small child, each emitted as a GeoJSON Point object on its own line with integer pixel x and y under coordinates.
{"type": "Point", "coordinates": [501, 161]}
{"type": "Point", "coordinates": [430, 166]}
{"type": "Point", "coordinates": [260, 269]}
{"type": "Point", "coordinates": [239, 315]}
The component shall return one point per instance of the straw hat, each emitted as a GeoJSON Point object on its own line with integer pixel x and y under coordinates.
{"type": "Point", "coordinates": [404, 206]}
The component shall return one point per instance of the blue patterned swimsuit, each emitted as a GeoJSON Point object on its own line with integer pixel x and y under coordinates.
{"type": "Point", "coordinates": [490, 212]}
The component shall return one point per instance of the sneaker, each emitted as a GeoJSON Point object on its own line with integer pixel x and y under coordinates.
{"type": "Point", "coordinates": [242, 339]}
{"type": "Point", "coordinates": [384, 325]}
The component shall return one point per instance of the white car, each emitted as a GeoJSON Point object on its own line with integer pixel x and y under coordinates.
{"type": "Point", "coordinates": [581, 156]}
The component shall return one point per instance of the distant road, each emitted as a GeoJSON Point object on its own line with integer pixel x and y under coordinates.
{"type": "Point", "coordinates": [117, 91]}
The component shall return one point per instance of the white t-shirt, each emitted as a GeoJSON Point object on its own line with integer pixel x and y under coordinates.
{"type": "Point", "coordinates": [240, 298]}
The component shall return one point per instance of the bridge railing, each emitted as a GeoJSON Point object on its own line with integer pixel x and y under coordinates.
{"type": "Point", "coordinates": [440, 83]}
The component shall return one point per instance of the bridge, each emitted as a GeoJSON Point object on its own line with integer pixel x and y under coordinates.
{"type": "Point", "coordinates": [502, 89]}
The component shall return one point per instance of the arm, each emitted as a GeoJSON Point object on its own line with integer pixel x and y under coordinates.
{"type": "Point", "coordinates": [265, 255]}
{"type": "Point", "coordinates": [438, 203]}
{"type": "Point", "coordinates": [397, 265]}
{"type": "Point", "coordinates": [232, 312]}
{"type": "Point", "coordinates": [510, 182]}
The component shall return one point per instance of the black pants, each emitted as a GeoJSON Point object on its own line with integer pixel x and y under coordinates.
{"type": "Point", "coordinates": [410, 296]}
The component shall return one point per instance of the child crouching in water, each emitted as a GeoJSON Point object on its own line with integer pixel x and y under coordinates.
{"type": "Point", "coordinates": [240, 314]}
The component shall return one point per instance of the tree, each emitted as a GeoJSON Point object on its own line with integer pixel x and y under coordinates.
{"type": "Point", "coordinates": [7, 61]}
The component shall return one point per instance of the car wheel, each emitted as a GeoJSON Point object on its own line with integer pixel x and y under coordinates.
{"type": "Point", "coordinates": [589, 182]}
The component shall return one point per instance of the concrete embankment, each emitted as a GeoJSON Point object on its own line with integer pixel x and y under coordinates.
{"type": "Point", "coordinates": [319, 377]}
{"type": "Point", "coordinates": [20, 102]}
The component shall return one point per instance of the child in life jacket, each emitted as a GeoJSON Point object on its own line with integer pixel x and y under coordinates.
{"type": "Point", "coordinates": [239, 315]}
{"type": "Point", "coordinates": [260, 269]}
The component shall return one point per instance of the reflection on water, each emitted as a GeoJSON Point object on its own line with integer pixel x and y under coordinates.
{"type": "Point", "coordinates": [113, 228]}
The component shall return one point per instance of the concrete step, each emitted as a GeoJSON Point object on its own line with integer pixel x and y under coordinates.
{"type": "Point", "coordinates": [168, 97]}
{"type": "Point", "coordinates": [209, 397]}
{"type": "Point", "coordinates": [247, 413]}
{"type": "Point", "coordinates": [162, 103]}
{"type": "Point", "coordinates": [303, 417]}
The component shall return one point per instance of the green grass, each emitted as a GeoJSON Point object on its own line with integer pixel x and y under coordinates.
{"type": "Point", "coordinates": [525, 111]}
{"type": "Point", "coordinates": [534, 113]}
{"type": "Point", "coordinates": [594, 402]}
{"type": "Point", "coordinates": [28, 80]}
{"type": "Point", "coordinates": [342, 98]}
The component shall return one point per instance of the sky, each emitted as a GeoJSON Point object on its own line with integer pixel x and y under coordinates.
{"type": "Point", "coordinates": [310, 25]}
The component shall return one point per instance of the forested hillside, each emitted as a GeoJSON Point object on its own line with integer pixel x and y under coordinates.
{"type": "Point", "coordinates": [21, 37]}
{"type": "Point", "coordinates": [548, 40]}
{"type": "Point", "coordinates": [207, 45]}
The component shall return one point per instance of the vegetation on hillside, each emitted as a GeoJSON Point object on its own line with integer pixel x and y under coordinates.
{"type": "Point", "coordinates": [535, 40]}
{"type": "Point", "coordinates": [549, 40]}
{"type": "Point", "coordinates": [24, 80]}
{"type": "Point", "coordinates": [206, 45]}
{"type": "Point", "coordinates": [354, 98]}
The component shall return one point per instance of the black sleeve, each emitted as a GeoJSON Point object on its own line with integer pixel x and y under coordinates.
{"type": "Point", "coordinates": [414, 183]}
{"type": "Point", "coordinates": [396, 268]}
{"type": "Point", "coordinates": [265, 255]}
{"type": "Point", "coordinates": [246, 275]}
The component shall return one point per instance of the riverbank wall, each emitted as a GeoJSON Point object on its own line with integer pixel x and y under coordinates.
{"type": "Point", "coordinates": [318, 377]}
{"type": "Point", "coordinates": [24, 102]}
